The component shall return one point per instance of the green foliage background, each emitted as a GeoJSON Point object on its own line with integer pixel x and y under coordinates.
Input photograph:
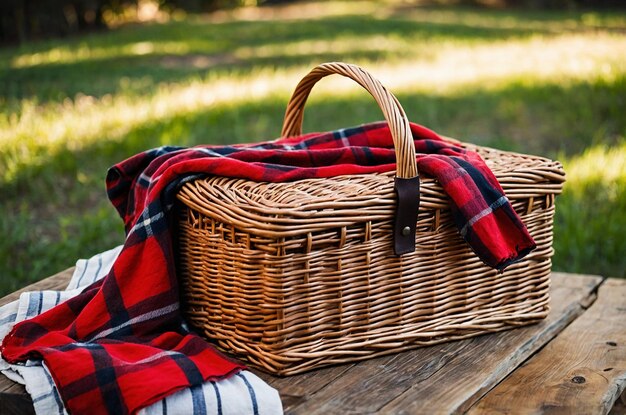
{"type": "Point", "coordinates": [545, 82]}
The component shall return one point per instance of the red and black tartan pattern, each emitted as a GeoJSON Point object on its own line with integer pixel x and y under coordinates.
{"type": "Point", "coordinates": [122, 344]}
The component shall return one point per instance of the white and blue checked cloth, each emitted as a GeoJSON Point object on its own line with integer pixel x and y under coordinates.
{"type": "Point", "coordinates": [244, 393]}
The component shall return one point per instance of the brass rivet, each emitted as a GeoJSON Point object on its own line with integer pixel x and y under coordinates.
{"type": "Point", "coordinates": [406, 231]}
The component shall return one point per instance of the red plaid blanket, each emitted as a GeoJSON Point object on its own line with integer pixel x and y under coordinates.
{"type": "Point", "coordinates": [122, 345]}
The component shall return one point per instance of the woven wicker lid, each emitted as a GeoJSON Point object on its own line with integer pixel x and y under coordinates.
{"type": "Point", "coordinates": [260, 207]}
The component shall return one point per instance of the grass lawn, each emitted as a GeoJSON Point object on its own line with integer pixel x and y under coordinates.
{"type": "Point", "coordinates": [548, 83]}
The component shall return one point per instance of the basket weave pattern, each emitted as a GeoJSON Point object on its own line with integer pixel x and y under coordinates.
{"type": "Point", "coordinates": [293, 276]}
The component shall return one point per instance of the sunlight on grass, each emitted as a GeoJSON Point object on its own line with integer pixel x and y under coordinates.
{"type": "Point", "coordinates": [304, 10]}
{"type": "Point", "coordinates": [84, 52]}
{"type": "Point", "coordinates": [591, 219]}
{"type": "Point", "coordinates": [76, 123]}
{"type": "Point", "coordinates": [384, 9]}
{"type": "Point", "coordinates": [598, 163]}
{"type": "Point", "coordinates": [403, 11]}
{"type": "Point", "coordinates": [545, 83]}
{"type": "Point", "coordinates": [341, 44]}
{"type": "Point", "coordinates": [79, 123]}
{"type": "Point", "coordinates": [537, 60]}
{"type": "Point", "coordinates": [508, 20]}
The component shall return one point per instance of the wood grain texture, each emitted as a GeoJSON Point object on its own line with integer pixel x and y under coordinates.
{"type": "Point", "coordinates": [14, 399]}
{"type": "Point", "coordinates": [483, 362]}
{"type": "Point", "coordinates": [13, 396]}
{"type": "Point", "coordinates": [619, 408]}
{"type": "Point", "coordinates": [56, 282]}
{"type": "Point", "coordinates": [582, 371]}
{"type": "Point", "coordinates": [445, 378]}
{"type": "Point", "coordinates": [296, 389]}
{"type": "Point", "coordinates": [8, 387]}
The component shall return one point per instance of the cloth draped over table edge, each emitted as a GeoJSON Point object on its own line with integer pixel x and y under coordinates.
{"type": "Point", "coordinates": [244, 393]}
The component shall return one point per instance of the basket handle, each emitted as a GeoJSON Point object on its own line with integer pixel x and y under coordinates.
{"type": "Point", "coordinates": [388, 103]}
{"type": "Point", "coordinates": [406, 183]}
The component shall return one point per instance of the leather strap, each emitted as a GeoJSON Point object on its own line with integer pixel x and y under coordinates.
{"type": "Point", "coordinates": [408, 196]}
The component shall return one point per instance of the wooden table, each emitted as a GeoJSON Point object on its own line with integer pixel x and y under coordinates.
{"type": "Point", "coordinates": [574, 362]}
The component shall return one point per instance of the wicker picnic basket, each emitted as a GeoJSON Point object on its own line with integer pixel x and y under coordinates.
{"type": "Point", "coordinates": [293, 276]}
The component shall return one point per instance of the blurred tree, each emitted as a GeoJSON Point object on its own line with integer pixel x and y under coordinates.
{"type": "Point", "coordinates": [547, 4]}
{"type": "Point", "coordinates": [22, 20]}
{"type": "Point", "coordinates": [212, 5]}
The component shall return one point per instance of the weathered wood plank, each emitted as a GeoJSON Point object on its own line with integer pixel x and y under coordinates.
{"type": "Point", "coordinates": [356, 387]}
{"type": "Point", "coordinates": [582, 371]}
{"type": "Point", "coordinates": [57, 282]}
{"type": "Point", "coordinates": [7, 386]}
{"type": "Point", "coordinates": [620, 406]}
{"type": "Point", "coordinates": [14, 399]}
{"type": "Point", "coordinates": [450, 377]}
{"type": "Point", "coordinates": [13, 396]}
{"type": "Point", "coordinates": [295, 389]}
